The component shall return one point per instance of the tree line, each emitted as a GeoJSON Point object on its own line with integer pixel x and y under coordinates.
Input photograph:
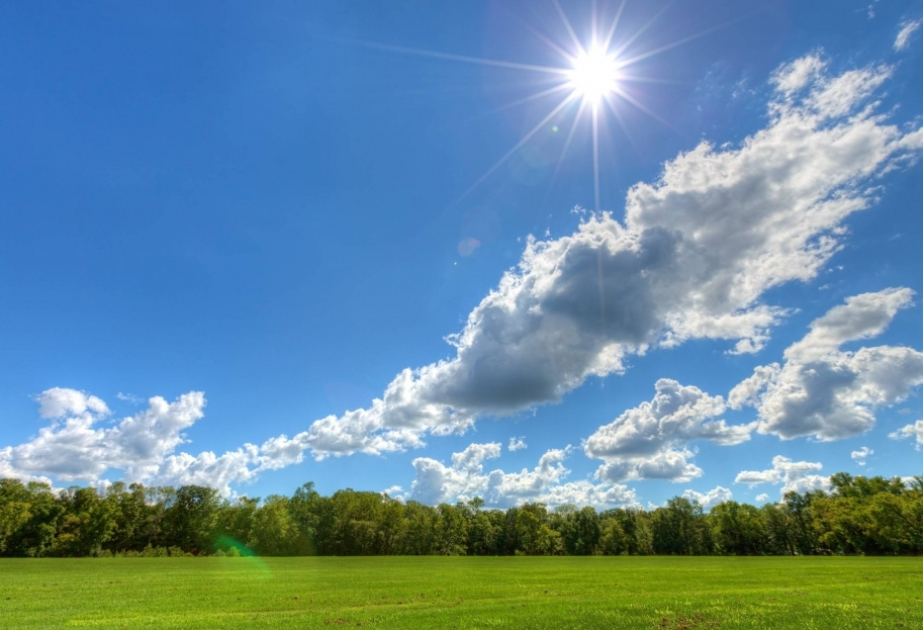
{"type": "Point", "coordinates": [858, 515]}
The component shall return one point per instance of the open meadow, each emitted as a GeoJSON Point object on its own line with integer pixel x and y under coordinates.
{"type": "Point", "coordinates": [473, 592]}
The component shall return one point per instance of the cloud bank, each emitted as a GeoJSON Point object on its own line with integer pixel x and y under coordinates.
{"type": "Point", "coordinates": [465, 478]}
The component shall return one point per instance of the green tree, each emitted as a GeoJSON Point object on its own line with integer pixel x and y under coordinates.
{"type": "Point", "coordinates": [274, 532]}
{"type": "Point", "coordinates": [738, 529]}
{"type": "Point", "coordinates": [89, 523]}
{"type": "Point", "coordinates": [191, 520]}
{"type": "Point", "coordinates": [680, 529]}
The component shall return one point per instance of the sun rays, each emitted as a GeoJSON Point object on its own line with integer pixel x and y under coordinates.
{"type": "Point", "coordinates": [592, 78]}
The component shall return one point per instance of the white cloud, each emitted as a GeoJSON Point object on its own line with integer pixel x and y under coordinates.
{"type": "Point", "coordinates": [697, 250]}
{"type": "Point", "coordinates": [517, 444]}
{"type": "Point", "coordinates": [709, 499]}
{"type": "Point", "coordinates": [829, 393]}
{"type": "Point", "coordinates": [762, 497]}
{"type": "Point", "coordinates": [649, 441]}
{"type": "Point", "coordinates": [58, 402]}
{"type": "Point", "coordinates": [395, 492]}
{"type": "Point", "coordinates": [799, 74]}
{"type": "Point", "coordinates": [208, 469]}
{"type": "Point", "coordinates": [860, 456]}
{"type": "Point", "coordinates": [465, 478]}
{"type": "Point", "coordinates": [903, 36]}
{"type": "Point", "coordinates": [793, 476]}
{"type": "Point", "coordinates": [142, 447]}
{"type": "Point", "coordinates": [73, 448]}
{"type": "Point", "coordinates": [914, 430]}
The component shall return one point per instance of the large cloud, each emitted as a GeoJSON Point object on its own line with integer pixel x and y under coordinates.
{"type": "Point", "coordinates": [649, 441]}
{"type": "Point", "coordinates": [465, 478]}
{"type": "Point", "coordinates": [829, 393]}
{"type": "Point", "coordinates": [696, 251]}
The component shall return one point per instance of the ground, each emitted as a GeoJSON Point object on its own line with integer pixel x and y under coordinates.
{"type": "Point", "coordinates": [432, 592]}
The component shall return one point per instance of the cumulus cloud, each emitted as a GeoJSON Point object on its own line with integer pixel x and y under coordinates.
{"type": "Point", "coordinates": [465, 478]}
{"type": "Point", "coordinates": [903, 36]}
{"type": "Point", "coordinates": [517, 444]}
{"type": "Point", "coordinates": [142, 447]}
{"type": "Point", "coordinates": [649, 441]}
{"type": "Point", "coordinates": [73, 447]}
{"type": "Point", "coordinates": [914, 430]}
{"type": "Point", "coordinates": [58, 402]}
{"type": "Point", "coordinates": [792, 476]}
{"type": "Point", "coordinates": [762, 497]}
{"type": "Point", "coordinates": [829, 393]}
{"type": "Point", "coordinates": [696, 251]}
{"type": "Point", "coordinates": [860, 456]}
{"type": "Point", "coordinates": [709, 499]}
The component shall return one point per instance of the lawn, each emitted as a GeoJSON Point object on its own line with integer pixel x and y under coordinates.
{"type": "Point", "coordinates": [434, 592]}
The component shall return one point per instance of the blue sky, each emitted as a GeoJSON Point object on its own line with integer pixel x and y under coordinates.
{"type": "Point", "coordinates": [253, 245]}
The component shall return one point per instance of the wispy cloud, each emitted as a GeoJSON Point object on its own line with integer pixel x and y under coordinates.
{"type": "Point", "coordinates": [908, 28]}
{"type": "Point", "coordinates": [860, 456]}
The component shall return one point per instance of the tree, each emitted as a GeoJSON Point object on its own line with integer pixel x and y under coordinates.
{"type": "Point", "coordinates": [614, 541]}
{"type": "Point", "coordinates": [680, 529]}
{"type": "Point", "coordinates": [738, 529]}
{"type": "Point", "coordinates": [14, 510]}
{"type": "Point", "coordinates": [192, 518]}
{"type": "Point", "coordinates": [274, 532]}
{"type": "Point", "coordinates": [89, 523]}
{"type": "Point", "coordinates": [451, 531]}
{"type": "Point", "coordinates": [780, 536]}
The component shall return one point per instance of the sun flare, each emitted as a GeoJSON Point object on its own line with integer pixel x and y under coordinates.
{"type": "Point", "coordinates": [595, 75]}
{"type": "Point", "coordinates": [594, 84]}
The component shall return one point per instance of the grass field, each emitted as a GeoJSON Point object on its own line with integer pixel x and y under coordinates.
{"type": "Point", "coordinates": [433, 592]}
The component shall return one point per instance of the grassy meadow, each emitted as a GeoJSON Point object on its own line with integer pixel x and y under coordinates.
{"type": "Point", "coordinates": [466, 592]}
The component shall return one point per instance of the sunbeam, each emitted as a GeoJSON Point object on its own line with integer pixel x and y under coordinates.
{"type": "Point", "coordinates": [593, 74]}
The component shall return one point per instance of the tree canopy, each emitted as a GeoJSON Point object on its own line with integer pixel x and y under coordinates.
{"type": "Point", "coordinates": [859, 515]}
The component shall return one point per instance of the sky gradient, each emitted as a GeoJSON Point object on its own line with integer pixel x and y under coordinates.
{"type": "Point", "coordinates": [254, 245]}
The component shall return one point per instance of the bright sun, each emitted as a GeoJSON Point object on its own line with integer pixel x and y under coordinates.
{"type": "Point", "coordinates": [594, 75]}
{"type": "Point", "coordinates": [595, 80]}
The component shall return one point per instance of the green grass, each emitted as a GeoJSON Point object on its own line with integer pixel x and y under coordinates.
{"type": "Point", "coordinates": [432, 592]}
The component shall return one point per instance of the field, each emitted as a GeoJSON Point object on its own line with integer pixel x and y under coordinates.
{"type": "Point", "coordinates": [432, 592]}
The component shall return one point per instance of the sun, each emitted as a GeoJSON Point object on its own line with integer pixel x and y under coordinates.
{"type": "Point", "coordinates": [595, 74]}
{"type": "Point", "coordinates": [596, 79]}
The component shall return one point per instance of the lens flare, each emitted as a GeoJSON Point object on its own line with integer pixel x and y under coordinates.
{"type": "Point", "coordinates": [252, 564]}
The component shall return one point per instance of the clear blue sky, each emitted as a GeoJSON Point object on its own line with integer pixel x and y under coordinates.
{"type": "Point", "coordinates": [268, 214]}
